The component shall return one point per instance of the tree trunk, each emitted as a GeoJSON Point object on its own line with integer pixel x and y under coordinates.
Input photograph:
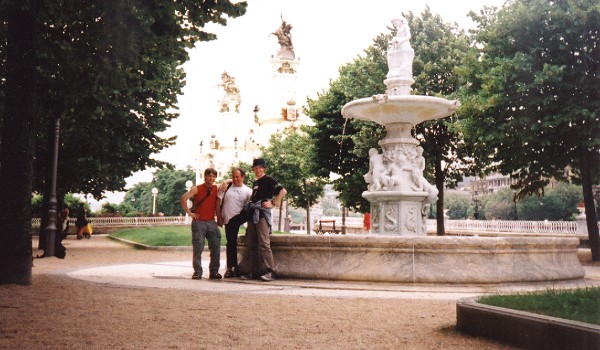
{"type": "Point", "coordinates": [307, 218]}
{"type": "Point", "coordinates": [439, 184]}
{"type": "Point", "coordinates": [588, 201]}
{"type": "Point", "coordinates": [17, 147]}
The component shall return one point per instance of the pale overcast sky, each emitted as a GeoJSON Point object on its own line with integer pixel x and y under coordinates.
{"type": "Point", "coordinates": [326, 34]}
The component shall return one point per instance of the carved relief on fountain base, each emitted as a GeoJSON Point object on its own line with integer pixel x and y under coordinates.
{"type": "Point", "coordinates": [398, 213]}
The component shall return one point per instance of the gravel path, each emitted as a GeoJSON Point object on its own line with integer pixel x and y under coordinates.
{"type": "Point", "coordinates": [59, 312]}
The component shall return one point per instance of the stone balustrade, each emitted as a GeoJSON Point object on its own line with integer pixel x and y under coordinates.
{"type": "Point", "coordinates": [355, 225]}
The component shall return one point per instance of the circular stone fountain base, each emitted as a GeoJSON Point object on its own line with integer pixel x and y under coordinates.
{"type": "Point", "coordinates": [426, 259]}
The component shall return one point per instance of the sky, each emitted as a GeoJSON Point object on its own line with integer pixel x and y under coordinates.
{"type": "Point", "coordinates": [326, 34]}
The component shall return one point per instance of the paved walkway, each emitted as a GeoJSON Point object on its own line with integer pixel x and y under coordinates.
{"type": "Point", "coordinates": [176, 274]}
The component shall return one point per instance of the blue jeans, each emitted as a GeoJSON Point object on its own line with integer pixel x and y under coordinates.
{"type": "Point", "coordinates": [210, 231]}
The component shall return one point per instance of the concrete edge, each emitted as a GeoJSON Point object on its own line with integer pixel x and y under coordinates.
{"type": "Point", "coordinates": [137, 245]}
{"type": "Point", "coordinates": [524, 329]}
{"type": "Point", "coordinates": [150, 247]}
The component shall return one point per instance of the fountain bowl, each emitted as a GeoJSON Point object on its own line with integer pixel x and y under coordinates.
{"type": "Point", "coordinates": [425, 259]}
{"type": "Point", "coordinates": [411, 109]}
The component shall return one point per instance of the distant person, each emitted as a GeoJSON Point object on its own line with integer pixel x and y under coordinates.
{"type": "Point", "coordinates": [367, 222]}
{"type": "Point", "coordinates": [82, 223]}
{"type": "Point", "coordinates": [232, 197]}
{"type": "Point", "coordinates": [203, 212]}
{"type": "Point", "coordinates": [266, 194]}
{"type": "Point", "coordinates": [63, 222]}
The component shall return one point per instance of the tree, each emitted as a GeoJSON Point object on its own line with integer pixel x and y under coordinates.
{"type": "Point", "coordinates": [110, 71]}
{"type": "Point", "coordinates": [289, 159]}
{"type": "Point", "coordinates": [170, 184]}
{"type": "Point", "coordinates": [458, 204]}
{"type": "Point", "coordinates": [342, 147]}
{"type": "Point", "coordinates": [533, 95]}
{"type": "Point", "coordinates": [440, 49]}
{"type": "Point", "coordinates": [18, 22]}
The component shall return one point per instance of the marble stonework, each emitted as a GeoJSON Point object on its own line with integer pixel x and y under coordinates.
{"type": "Point", "coordinates": [399, 194]}
{"type": "Point", "coordinates": [428, 259]}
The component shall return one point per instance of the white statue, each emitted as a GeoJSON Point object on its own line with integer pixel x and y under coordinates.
{"type": "Point", "coordinates": [376, 169]}
{"type": "Point", "coordinates": [232, 93]}
{"type": "Point", "coordinates": [400, 53]}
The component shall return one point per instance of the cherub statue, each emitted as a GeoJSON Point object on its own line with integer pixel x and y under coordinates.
{"type": "Point", "coordinates": [376, 169]}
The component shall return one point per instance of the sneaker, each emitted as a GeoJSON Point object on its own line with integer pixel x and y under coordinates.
{"type": "Point", "coordinates": [230, 274]}
{"type": "Point", "coordinates": [216, 276]}
{"type": "Point", "coordinates": [196, 276]}
{"type": "Point", "coordinates": [267, 277]}
{"type": "Point", "coordinates": [247, 277]}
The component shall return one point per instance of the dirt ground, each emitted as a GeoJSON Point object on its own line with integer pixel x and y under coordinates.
{"type": "Point", "coordinates": [58, 312]}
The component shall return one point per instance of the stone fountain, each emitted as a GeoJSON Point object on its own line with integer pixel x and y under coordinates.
{"type": "Point", "coordinates": [400, 250]}
{"type": "Point", "coordinates": [399, 194]}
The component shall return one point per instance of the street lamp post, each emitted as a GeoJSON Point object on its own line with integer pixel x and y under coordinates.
{"type": "Point", "coordinates": [476, 203]}
{"type": "Point", "coordinates": [52, 202]}
{"type": "Point", "coordinates": [154, 194]}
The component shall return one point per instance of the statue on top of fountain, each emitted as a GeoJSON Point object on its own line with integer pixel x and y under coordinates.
{"type": "Point", "coordinates": [399, 168]}
{"type": "Point", "coordinates": [400, 54]}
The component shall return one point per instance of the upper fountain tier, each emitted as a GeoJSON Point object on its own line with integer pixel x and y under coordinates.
{"type": "Point", "coordinates": [398, 105]}
{"type": "Point", "coordinates": [412, 109]}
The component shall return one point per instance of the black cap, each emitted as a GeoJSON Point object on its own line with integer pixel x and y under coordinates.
{"type": "Point", "coordinates": [259, 162]}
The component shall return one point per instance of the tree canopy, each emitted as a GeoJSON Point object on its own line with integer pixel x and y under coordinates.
{"type": "Point", "coordinates": [532, 95]}
{"type": "Point", "coordinates": [289, 158]}
{"type": "Point", "coordinates": [110, 71]}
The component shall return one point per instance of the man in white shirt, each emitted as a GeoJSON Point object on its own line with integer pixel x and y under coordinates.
{"type": "Point", "coordinates": [232, 197]}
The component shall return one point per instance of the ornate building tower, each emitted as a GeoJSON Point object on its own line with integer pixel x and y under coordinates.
{"type": "Point", "coordinates": [235, 137]}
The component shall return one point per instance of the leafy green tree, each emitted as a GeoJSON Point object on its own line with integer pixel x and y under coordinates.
{"type": "Point", "coordinates": [170, 184]}
{"type": "Point", "coordinates": [110, 72]}
{"type": "Point", "coordinates": [140, 197]}
{"type": "Point", "coordinates": [557, 204]}
{"type": "Point", "coordinates": [458, 204]}
{"type": "Point", "coordinates": [289, 160]}
{"type": "Point", "coordinates": [533, 95]}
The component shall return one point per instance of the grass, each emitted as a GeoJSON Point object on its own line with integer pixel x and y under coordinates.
{"type": "Point", "coordinates": [164, 236]}
{"type": "Point", "coordinates": [577, 305]}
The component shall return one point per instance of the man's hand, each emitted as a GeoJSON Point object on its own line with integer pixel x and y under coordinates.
{"type": "Point", "coordinates": [194, 216]}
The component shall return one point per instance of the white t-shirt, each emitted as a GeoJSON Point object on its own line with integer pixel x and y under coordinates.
{"type": "Point", "coordinates": [234, 201]}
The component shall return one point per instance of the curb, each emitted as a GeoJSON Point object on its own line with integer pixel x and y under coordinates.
{"type": "Point", "coordinates": [158, 248]}
{"type": "Point", "coordinates": [524, 329]}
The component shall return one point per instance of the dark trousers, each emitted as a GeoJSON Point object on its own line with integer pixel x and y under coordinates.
{"type": "Point", "coordinates": [232, 227]}
{"type": "Point", "coordinates": [258, 258]}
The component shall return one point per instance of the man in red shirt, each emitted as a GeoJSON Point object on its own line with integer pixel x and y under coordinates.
{"type": "Point", "coordinates": [203, 211]}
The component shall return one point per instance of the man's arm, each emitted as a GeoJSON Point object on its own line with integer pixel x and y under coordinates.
{"type": "Point", "coordinates": [218, 210]}
{"type": "Point", "coordinates": [184, 201]}
{"type": "Point", "coordinates": [279, 197]}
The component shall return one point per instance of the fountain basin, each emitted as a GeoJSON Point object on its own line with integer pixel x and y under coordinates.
{"type": "Point", "coordinates": [425, 259]}
{"type": "Point", "coordinates": [411, 109]}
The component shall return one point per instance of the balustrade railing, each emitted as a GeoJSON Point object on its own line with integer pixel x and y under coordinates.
{"type": "Point", "coordinates": [126, 221]}
{"type": "Point", "coordinates": [451, 226]}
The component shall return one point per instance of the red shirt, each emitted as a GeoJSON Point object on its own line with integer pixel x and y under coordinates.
{"type": "Point", "coordinates": [207, 209]}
